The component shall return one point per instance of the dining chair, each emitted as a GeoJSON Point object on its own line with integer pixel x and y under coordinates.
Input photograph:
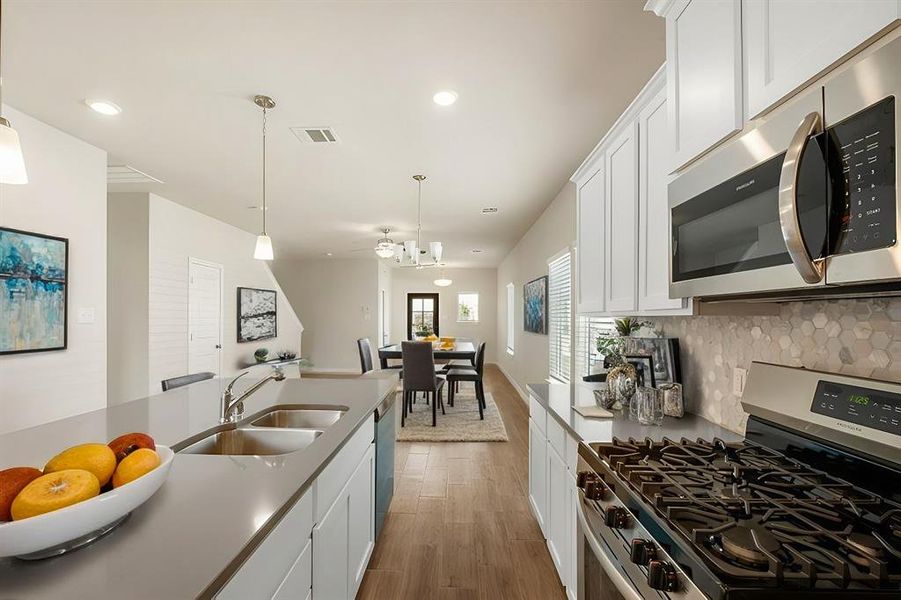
{"type": "Point", "coordinates": [455, 376]}
{"type": "Point", "coordinates": [365, 350]}
{"type": "Point", "coordinates": [420, 376]}
{"type": "Point", "coordinates": [177, 382]}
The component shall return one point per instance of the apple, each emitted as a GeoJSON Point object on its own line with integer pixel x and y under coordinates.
{"type": "Point", "coordinates": [125, 444]}
{"type": "Point", "coordinates": [12, 481]}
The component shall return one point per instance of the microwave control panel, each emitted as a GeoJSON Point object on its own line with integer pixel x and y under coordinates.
{"type": "Point", "coordinates": [860, 406]}
{"type": "Point", "coordinates": [864, 198]}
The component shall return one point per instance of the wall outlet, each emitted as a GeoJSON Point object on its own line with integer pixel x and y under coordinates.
{"type": "Point", "coordinates": [85, 315]}
{"type": "Point", "coordinates": [739, 376]}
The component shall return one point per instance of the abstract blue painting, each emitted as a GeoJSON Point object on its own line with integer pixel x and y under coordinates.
{"type": "Point", "coordinates": [534, 312]}
{"type": "Point", "coordinates": [33, 278]}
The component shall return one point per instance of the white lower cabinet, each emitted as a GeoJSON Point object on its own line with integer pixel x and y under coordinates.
{"type": "Point", "coordinates": [344, 537]}
{"type": "Point", "coordinates": [299, 581]}
{"type": "Point", "coordinates": [552, 494]}
{"type": "Point", "coordinates": [538, 474]}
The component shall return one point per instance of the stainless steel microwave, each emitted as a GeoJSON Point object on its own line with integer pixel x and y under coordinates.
{"type": "Point", "coordinates": [805, 202]}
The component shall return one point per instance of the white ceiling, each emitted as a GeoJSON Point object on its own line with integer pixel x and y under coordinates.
{"type": "Point", "coordinates": [538, 82]}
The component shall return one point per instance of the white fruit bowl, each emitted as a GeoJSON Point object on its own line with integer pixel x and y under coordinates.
{"type": "Point", "coordinates": [68, 528]}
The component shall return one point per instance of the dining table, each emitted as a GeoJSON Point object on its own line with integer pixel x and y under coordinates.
{"type": "Point", "coordinates": [460, 350]}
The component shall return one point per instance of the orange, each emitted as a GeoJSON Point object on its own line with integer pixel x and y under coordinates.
{"type": "Point", "coordinates": [54, 491]}
{"type": "Point", "coordinates": [99, 459]}
{"type": "Point", "coordinates": [139, 462]}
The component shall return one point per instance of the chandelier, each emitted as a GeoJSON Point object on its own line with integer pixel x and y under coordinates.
{"type": "Point", "coordinates": [411, 252]}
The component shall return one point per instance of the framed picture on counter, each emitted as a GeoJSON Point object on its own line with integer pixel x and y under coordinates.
{"type": "Point", "coordinates": [664, 351]}
{"type": "Point", "coordinates": [644, 367]}
{"type": "Point", "coordinates": [257, 314]}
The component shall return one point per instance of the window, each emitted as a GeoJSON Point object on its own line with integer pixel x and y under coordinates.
{"type": "Point", "coordinates": [422, 315]}
{"type": "Point", "coordinates": [467, 307]}
{"type": "Point", "coordinates": [511, 308]}
{"type": "Point", "coordinates": [588, 328]}
{"type": "Point", "coordinates": [560, 317]}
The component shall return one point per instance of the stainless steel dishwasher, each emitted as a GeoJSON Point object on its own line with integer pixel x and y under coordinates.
{"type": "Point", "coordinates": [385, 436]}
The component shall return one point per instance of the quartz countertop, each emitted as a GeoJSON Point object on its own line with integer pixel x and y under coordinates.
{"type": "Point", "coordinates": [188, 538]}
{"type": "Point", "coordinates": [559, 399]}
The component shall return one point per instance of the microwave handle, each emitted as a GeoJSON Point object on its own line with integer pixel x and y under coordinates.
{"type": "Point", "coordinates": [810, 270]}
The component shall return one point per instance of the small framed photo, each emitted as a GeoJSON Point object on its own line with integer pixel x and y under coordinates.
{"type": "Point", "coordinates": [644, 366]}
{"type": "Point", "coordinates": [665, 352]}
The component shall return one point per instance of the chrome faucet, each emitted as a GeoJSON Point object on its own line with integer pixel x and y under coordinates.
{"type": "Point", "coordinates": [232, 407]}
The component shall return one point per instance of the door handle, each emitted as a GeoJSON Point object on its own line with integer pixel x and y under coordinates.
{"type": "Point", "coordinates": [810, 270]}
{"type": "Point", "coordinates": [218, 346]}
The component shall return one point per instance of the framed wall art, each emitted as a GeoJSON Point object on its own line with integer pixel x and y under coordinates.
{"type": "Point", "coordinates": [534, 295]}
{"type": "Point", "coordinates": [34, 271]}
{"type": "Point", "coordinates": [257, 314]}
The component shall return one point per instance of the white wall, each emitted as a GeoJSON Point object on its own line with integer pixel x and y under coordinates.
{"type": "Point", "coordinates": [481, 281]}
{"type": "Point", "coordinates": [128, 296]}
{"type": "Point", "coordinates": [66, 197]}
{"type": "Point", "coordinates": [337, 300]}
{"type": "Point", "coordinates": [554, 231]}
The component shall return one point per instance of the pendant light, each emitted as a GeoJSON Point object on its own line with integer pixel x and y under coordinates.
{"type": "Point", "coordinates": [443, 281]}
{"type": "Point", "coordinates": [12, 163]}
{"type": "Point", "coordinates": [414, 248]}
{"type": "Point", "coordinates": [263, 250]}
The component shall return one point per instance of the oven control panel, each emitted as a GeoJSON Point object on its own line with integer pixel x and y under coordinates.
{"type": "Point", "coordinates": [861, 406]}
{"type": "Point", "coordinates": [862, 163]}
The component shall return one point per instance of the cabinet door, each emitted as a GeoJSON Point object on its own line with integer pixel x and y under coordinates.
{"type": "Point", "coordinates": [556, 512]}
{"type": "Point", "coordinates": [703, 75]}
{"type": "Point", "coordinates": [622, 221]}
{"type": "Point", "coordinates": [572, 531]}
{"type": "Point", "coordinates": [330, 552]}
{"type": "Point", "coordinates": [299, 581]}
{"type": "Point", "coordinates": [590, 214]}
{"type": "Point", "coordinates": [788, 42]}
{"type": "Point", "coordinates": [361, 520]}
{"type": "Point", "coordinates": [653, 209]}
{"type": "Point", "coordinates": [538, 474]}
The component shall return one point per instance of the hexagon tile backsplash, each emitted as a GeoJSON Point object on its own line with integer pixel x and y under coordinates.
{"type": "Point", "coordinates": [855, 337]}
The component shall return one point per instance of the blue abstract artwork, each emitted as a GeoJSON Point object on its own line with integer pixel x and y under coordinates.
{"type": "Point", "coordinates": [33, 288]}
{"type": "Point", "coordinates": [534, 311]}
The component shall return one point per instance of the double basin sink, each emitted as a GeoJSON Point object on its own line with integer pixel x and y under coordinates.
{"type": "Point", "coordinates": [278, 430]}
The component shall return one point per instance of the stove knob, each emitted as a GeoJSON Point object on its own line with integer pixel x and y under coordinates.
{"type": "Point", "coordinates": [662, 576]}
{"type": "Point", "coordinates": [642, 552]}
{"type": "Point", "coordinates": [594, 490]}
{"type": "Point", "coordinates": [616, 517]}
{"type": "Point", "coordinates": [584, 477]}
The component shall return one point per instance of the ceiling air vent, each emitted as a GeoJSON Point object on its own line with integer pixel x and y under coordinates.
{"type": "Point", "coordinates": [126, 174]}
{"type": "Point", "coordinates": [315, 135]}
{"type": "Point", "coordinates": [489, 210]}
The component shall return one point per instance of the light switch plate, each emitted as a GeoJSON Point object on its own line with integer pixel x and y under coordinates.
{"type": "Point", "coordinates": [85, 315]}
{"type": "Point", "coordinates": [739, 376]}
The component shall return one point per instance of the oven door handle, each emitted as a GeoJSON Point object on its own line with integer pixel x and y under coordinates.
{"type": "Point", "coordinates": [616, 576]}
{"type": "Point", "coordinates": [810, 270]}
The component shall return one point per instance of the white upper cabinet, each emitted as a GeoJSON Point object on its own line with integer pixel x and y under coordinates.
{"type": "Point", "coordinates": [653, 209]}
{"type": "Point", "coordinates": [622, 221]}
{"type": "Point", "coordinates": [703, 74]}
{"type": "Point", "coordinates": [789, 42]}
{"type": "Point", "coordinates": [590, 215]}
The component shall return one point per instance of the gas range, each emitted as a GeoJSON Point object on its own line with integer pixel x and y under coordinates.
{"type": "Point", "coordinates": [805, 506]}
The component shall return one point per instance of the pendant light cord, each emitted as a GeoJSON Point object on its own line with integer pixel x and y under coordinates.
{"type": "Point", "coordinates": [264, 171]}
{"type": "Point", "coordinates": [1, 56]}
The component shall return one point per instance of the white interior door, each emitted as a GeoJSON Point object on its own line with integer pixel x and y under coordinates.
{"type": "Point", "coordinates": [204, 316]}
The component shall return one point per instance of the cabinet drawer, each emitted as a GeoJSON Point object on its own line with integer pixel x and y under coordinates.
{"type": "Point", "coordinates": [556, 436]}
{"type": "Point", "coordinates": [265, 570]}
{"type": "Point", "coordinates": [334, 477]}
{"type": "Point", "coordinates": [538, 414]}
{"type": "Point", "coordinates": [299, 581]}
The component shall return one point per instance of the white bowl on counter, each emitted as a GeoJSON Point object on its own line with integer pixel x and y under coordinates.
{"type": "Point", "coordinates": [71, 527]}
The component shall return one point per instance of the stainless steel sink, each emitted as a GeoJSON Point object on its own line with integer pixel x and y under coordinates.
{"type": "Point", "coordinates": [300, 418]}
{"type": "Point", "coordinates": [253, 442]}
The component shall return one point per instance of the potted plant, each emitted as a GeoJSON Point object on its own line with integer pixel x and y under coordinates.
{"type": "Point", "coordinates": [261, 354]}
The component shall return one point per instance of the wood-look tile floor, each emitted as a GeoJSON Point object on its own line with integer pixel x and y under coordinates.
{"type": "Point", "coordinates": [459, 526]}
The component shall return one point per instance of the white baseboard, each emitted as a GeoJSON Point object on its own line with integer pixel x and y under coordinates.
{"type": "Point", "coordinates": [522, 393]}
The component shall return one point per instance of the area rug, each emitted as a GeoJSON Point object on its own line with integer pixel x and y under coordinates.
{"type": "Point", "coordinates": [460, 424]}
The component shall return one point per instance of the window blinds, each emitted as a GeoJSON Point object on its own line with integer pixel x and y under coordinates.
{"type": "Point", "coordinates": [560, 317]}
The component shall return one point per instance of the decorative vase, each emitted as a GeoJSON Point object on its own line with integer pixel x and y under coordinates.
{"type": "Point", "coordinates": [623, 380]}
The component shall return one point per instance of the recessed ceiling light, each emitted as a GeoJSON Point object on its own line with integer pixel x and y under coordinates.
{"type": "Point", "coordinates": [104, 107]}
{"type": "Point", "coordinates": [445, 97]}
{"type": "Point", "coordinates": [489, 210]}
{"type": "Point", "coordinates": [328, 253]}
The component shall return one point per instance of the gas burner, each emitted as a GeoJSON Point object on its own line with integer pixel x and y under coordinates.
{"type": "Point", "coordinates": [864, 548]}
{"type": "Point", "coordinates": [752, 545]}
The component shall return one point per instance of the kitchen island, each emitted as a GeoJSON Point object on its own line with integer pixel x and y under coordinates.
{"type": "Point", "coordinates": [212, 513]}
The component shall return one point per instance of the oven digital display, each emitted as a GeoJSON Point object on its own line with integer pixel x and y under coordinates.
{"type": "Point", "coordinates": [851, 404]}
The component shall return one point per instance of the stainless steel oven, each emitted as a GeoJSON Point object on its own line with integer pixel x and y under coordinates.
{"type": "Point", "coordinates": [617, 557]}
{"type": "Point", "coordinates": [806, 199]}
